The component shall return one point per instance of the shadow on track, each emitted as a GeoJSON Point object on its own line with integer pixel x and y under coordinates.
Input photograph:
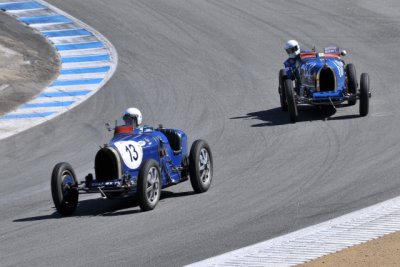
{"type": "Point", "coordinates": [275, 116]}
{"type": "Point", "coordinates": [169, 194]}
{"type": "Point", "coordinates": [105, 207]}
{"type": "Point", "coordinates": [344, 117]}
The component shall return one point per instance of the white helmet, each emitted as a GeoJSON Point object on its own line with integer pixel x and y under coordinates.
{"type": "Point", "coordinates": [292, 48]}
{"type": "Point", "coordinates": [133, 115]}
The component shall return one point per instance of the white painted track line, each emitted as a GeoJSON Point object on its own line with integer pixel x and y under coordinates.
{"type": "Point", "coordinates": [88, 60]}
{"type": "Point", "coordinates": [316, 241]}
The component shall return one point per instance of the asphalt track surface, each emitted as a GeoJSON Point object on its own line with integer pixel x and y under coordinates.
{"type": "Point", "coordinates": [210, 68]}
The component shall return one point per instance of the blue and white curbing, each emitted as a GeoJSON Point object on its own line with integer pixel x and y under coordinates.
{"type": "Point", "coordinates": [88, 60]}
{"type": "Point", "coordinates": [315, 241]}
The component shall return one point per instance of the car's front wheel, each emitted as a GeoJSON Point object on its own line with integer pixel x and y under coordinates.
{"type": "Point", "coordinates": [149, 185]}
{"type": "Point", "coordinates": [351, 82]}
{"type": "Point", "coordinates": [200, 166]}
{"type": "Point", "coordinates": [64, 189]}
{"type": "Point", "coordinates": [364, 94]}
{"type": "Point", "coordinates": [291, 101]}
{"type": "Point", "coordinates": [281, 90]}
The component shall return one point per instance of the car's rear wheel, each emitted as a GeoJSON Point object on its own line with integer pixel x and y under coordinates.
{"type": "Point", "coordinates": [149, 185]}
{"type": "Point", "coordinates": [291, 101]}
{"type": "Point", "coordinates": [351, 82]}
{"type": "Point", "coordinates": [281, 90]}
{"type": "Point", "coordinates": [64, 189]}
{"type": "Point", "coordinates": [364, 94]}
{"type": "Point", "coordinates": [200, 166]}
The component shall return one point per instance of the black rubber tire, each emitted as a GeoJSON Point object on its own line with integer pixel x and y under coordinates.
{"type": "Point", "coordinates": [200, 179]}
{"type": "Point", "coordinates": [364, 94]}
{"type": "Point", "coordinates": [290, 100]}
{"type": "Point", "coordinates": [65, 193]}
{"type": "Point", "coordinates": [351, 82]}
{"type": "Point", "coordinates": [148, 202]}
{"type": "Point", "coordinates": [281, 90]}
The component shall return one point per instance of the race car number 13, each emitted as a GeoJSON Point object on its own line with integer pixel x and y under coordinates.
{"type": "Point", "coordinates": [131, 153]}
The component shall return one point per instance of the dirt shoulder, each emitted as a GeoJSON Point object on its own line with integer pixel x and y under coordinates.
{"type": "Point", "coordinates": [28, 63]}
{"type": "Point", "coordinates": [383, 251]}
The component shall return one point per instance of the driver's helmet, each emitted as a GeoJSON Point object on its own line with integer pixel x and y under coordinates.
{"type": "Point", "coordinates": [133, 117]}
{"type": "Point", "coordinates": [292, 47]}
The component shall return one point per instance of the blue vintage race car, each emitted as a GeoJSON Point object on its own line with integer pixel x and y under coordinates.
{"type": "Point", "coordinates": [139, 162]}
{"type": "Point", "coordinates": [323, 78]}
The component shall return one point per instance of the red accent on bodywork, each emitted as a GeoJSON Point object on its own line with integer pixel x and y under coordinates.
{"type": "Point", "coordinates": [123, 129]}
{"type": "Point", "coordinates": [314, 54]}
{"type": "Point", "coordinates": [333, 55]}
{"type": "Point", "coordinates": [308, 55]}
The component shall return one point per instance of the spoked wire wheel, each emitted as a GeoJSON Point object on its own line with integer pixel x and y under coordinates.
{"type": "Point", "coordinates": [205, 166]}
{"type": "Point", "coordinates": [153, 185]}
{"type": "Point", "coordinates": [200, 166]}
{"type": "Point", "coordinates": [64, 189]}
{"type": "Point", "coordinates": [149, 185]}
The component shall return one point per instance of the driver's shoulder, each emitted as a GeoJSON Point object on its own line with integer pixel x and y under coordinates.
{"type": "Point", "coordinates": [290, 62]}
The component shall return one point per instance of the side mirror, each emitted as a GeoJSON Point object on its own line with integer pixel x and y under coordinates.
{"type": "Point", "coordinates": [108, 127]}
{"type": "Point", "coordinates": [343, 53]}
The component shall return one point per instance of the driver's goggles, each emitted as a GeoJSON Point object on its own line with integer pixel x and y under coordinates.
{"type": "Point", "coordinates": [292, 49]}
{"type": "Point", "coordinates": [129, 119]}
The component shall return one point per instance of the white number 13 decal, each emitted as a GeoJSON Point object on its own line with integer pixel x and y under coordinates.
{"type": "Point", "coordinates": [131, 153]}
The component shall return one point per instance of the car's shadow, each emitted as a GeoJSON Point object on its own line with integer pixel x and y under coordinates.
{"type": "Point", "coordinates": [275, 116]}
{"type": "Point", "coordinates": [105, 207]}
{"type": "Point", "coordinates": [344, 117]}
